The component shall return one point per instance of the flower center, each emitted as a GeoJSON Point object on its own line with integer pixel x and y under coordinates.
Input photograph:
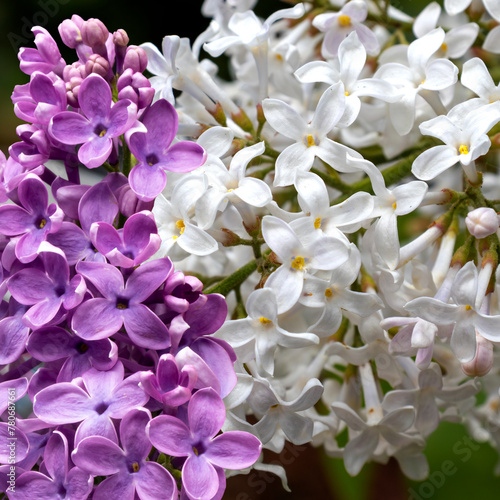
{"type": "Point", "coordinates": [444, 47]}
{"type": "Point", "coordinates": [310, 140]}
{"type": "Point", "coordinates": [81, 347]}
{"type": "Point", "coordinates": [298, 263]}
{"type": "Point", "coordinates": [317, 223]}
{"type": "Point", "coordinates": [264, 321]}
{"type": "Point", "coordinates": [135, 467]}
{"type": "Point", "coordinates": [100, 130]}
{"type": "Point", "coordinates": [151, 159]}
{"type": "Point", "coordinates": [180, 226]}
{"type": "Point", "coordinates": [42, 223]}
{"type": "Point", "coordinates": [346, 93]}
{"type": "Point", "coordinates": [344, 20]}
{"type": "Point", "coordinates": [468, 307]}
{"type": "Point", "coordinates": [122, 303]}
{"type": "Point", "coordinates": [328, 292]}
{"type": "Point", "coordinates": [463, 149]}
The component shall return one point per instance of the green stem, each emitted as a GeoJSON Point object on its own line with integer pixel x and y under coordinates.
{"type": "Point", "coordinates": [127, 158]}
{"type": "Point", "coordinates": [234, 280]}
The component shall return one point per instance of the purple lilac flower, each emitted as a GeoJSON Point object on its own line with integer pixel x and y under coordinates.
{"type": "Point", "coordinates": [171, 385]}
{"type": "Point", "coordinates": [102, 396]}
{"type": "Point", "coordinates": [99, 124]}
{"type": "Point", "coordinates": [97, 204]}
{"type": "Point", "coordinates": [47, 97]}
{"type": "Point", "coordinates": [53, 342]}
{"type": "Point", "coordinates": [131, 475]}
{"type": "Point", "coordinates": [196, 440]}
{"type": "Point", "coordinates": [121, 304]}
{"type": "Point", "coordinates": [61, 481]}
{"type": "Point", "coordinates": [130, 246]}
{"type": "Point", "coordinates": [46, 291]}
{"type": "Point", "coordinates": [32, 221]}
{"type": "Point", "coordinates": [155, 152]}
{"type": "Point", "coordinates": [34, 147]}
{"type": "Point", "coordinates": [45, 58]}
{"type": "Point", "coordinates": [136, 87]}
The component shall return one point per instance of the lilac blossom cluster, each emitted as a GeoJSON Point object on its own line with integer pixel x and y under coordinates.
{"type": "Point", "coordinates": [109, 349]}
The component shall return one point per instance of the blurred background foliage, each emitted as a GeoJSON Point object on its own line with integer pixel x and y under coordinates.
{"type": "Point", "coordinates": [459, 467]}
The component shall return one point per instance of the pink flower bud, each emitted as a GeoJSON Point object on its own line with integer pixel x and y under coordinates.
{"type": "Point", "coordinates": [483, 360]}
{"type": "Point", "coordinates": [70, 33]}
{"type": "Point", "coordinates": [94, 33]}
{"type": "Point", "coordinates": [97, 64]}
{"type": "Point", "coordinates": [482, 222]}
{"type": "Point", "coordinates": [120, 38]}
{"type": "Point", "coordinates": [135, 58]}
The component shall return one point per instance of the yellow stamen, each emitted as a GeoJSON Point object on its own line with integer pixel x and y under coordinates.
{"type": "Point", "coordinates": [328, 292]}
{"type": "Point", "coordinates": [279, 57]}
{"type": "Point", "coordinates": [103, 133]}
{"type": "Point", "coordinates": [317, 223]}
{"type": "Point", "coordinates": [196, 452]}
{"type": "Point", "coordinates": [444, 47]}
{"type": "Point", "coordinates": [298, 263]}
{"type": "Point", "coordinates": [468, 308]}
{"type": "Point", "coordinates": [42, 223]}
{"type": "Point", "coordinates": [135, 467]}
{"type": "Point", "coordinates": [181, 226]}
{"type": "Point", "coordinates": [463, 149]}
{"type": "Point", "coordinates": [264, 321]}
{"type": "Point", "coordinates": [121, 306]}
{"type": "Point", "coordinates": [310, 140]}
{"type": "Point", "coordinates": [344, 20]}
{"type": "Point", "coordinates": [346, 93]}
{"type": "Point", "coordinates": [395, 205]}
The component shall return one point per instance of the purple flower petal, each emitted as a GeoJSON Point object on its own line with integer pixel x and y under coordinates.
{"type": "Point", "coordinates": [105, 277]}
{"type": "Point", "coordinates": [147, 181]}
{"type": "Point", "coordinates": [206, 413]}
{"type": "Point", "coordinates": [71, 128]}
{"type": "Point", "coordinates": [184, 156]}
{"type": "Point", "coordinates": [147, 278]}
{"type": "Point", "coordinates": [133, 435]}
{"type": "Point", "coordinates": [62, 403]}
{"type": "Point", "coordinates": [96, 205]}
{"type": "Point", "coordinates": [96, 319]}
{"type": "Point", "coordinates": [98, 456]}
{"type": "Point", "coordinates": [199, 477]}
{"type": "Point", "coordinates": [32, 484]}
{"type": "Point", "coordinates": [95, 151]}
{"type": "Point", "coordinates": [118, 486]}
{"type": "Point", "coordinates": [33, 195]}
{"type": "Point", "coordinates": [55, 457]}
{"type": "Point", "coordinates": [154, 481]}
{"type": "Point", "coordinates": [145, 328]}
{"type": "Point", "coordinates": [234, 450]}
{"type": "Point", "coordinates": [170, 435]}
{"type": "Point", "coordinates": [94, 97]}
{"type": "Point", "coordinates": [15, 220]}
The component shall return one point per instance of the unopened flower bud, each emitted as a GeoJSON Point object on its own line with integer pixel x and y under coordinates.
{"type": "Point", "coordinates": [483, 360]}
{"type": "Point", "coordinates": [120, 38]}
{"type": "Point", "coordinates": [136, 59]}
{"type": "Point", "coordinates": [94, 33]}
{"type": "Point", "coordinates": [70, 33]}
{"type": "Point", "coordinates": [482, 222]}
{"type": "Point", "coordinates": [97, 64]}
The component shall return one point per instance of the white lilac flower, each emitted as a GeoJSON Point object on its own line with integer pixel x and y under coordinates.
{"type": "Point", "coordinates": [298, 259]}
{"type": "Point", "coordinates": [310, 139]}
{"type": "Point", "coordinates": [276, 413]}
{"type": "Point", "coordinates": [465, 139]}
{"type": "Point", "coordinates": [422, 72]}
{"type": "Point", "coordinates": [476, 77]}
{"type": "Point", "coordinates": [258, 336]}
{"type": "Point", "coordinates": [458, 39]}
{"type": "Point", "coordinates": [454, 7]}
{"type": "Point", "coordinates": [347, 68]}
{"type": "Point", "coordinates": [338, 25]}
{"type": "Point", "coordinates": [175, 225]}
{"type": "Point", "coordinates": [462, 313]}
{"type": "Point", "coordinates": [248, 30]}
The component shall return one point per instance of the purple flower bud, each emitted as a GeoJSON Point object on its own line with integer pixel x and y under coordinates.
{"type": "Point", "coordinates": [97, 64]}
{"type": "Point", "coordinates": [120, 38]}
{"type": "Point", "coordinates": [70, 33]}
{"type": "Point", "coordinates": [136, 87]}
{"type": "Point", "coordinates": [135, 58]}
{"type": "Point", "coordinates": [94, 33]}
{"type": "Point", "coordinates": [129, 203]}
